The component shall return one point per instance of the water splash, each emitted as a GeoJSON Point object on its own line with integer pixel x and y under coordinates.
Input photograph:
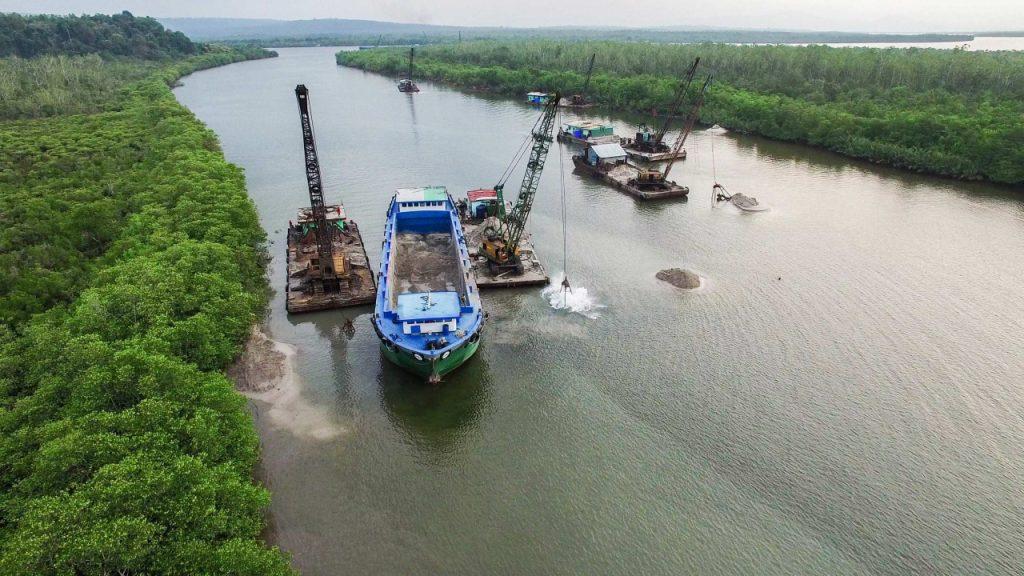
{"type": "Point", "coordinates": [579, 300]}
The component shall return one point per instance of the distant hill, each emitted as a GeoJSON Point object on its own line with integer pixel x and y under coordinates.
{"type": "Point", "coordinates": [340, 31]}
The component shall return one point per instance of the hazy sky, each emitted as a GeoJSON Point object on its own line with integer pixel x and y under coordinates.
{"type": "Point", "coordinates": [854, 15]}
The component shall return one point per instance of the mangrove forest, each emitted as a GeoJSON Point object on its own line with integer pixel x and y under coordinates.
{"type": "Point", "coordinates": [953, 113]}
{"type": "Point", "coordinates": [132, 272]}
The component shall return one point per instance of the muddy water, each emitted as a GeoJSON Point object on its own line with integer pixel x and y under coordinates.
{"type": "Point", "coordinates": [842, 396]}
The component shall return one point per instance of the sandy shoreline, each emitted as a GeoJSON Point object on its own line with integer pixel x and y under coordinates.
{"type": "Point", "coordinates": [266, 373]}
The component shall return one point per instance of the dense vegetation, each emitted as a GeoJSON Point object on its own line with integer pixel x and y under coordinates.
{"type": "Point", "coordinates": [948, 112]}
{"type": "Point", "coordinates": [50, 85]}
{"type": "Point", "coordinates": [118, 35]}
{"type": "Point", "coordinates": [131, 269]}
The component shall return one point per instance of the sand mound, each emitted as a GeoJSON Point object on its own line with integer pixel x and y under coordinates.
{"type": "Point", "coordinates": [680, 278]}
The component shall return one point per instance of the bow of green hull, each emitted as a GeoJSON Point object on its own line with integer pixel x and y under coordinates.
{"type": "Point", "coordinates": [431, 370]}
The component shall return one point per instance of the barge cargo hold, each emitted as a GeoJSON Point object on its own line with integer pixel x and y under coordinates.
{"type": "Point", "coordinates": [607, 162]}
{"type": "Point", "coordinates": [304, 292]}
{"type": "Point", "coordinates": [428, 314]}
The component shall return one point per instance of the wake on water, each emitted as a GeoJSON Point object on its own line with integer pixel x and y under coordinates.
{"type": "Point", "coordinates": [579, 300]}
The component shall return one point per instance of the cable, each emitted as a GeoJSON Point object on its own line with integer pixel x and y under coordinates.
{"type": "Point", "coordinates": [565, 234]}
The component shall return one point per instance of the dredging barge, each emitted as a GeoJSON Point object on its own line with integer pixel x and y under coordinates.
{"type": "Point", "coordinates": [476, 214]}
{"type": "Point", "coordinates": [608, 163]}
{"type": "Point", "coordinates": [306, 290]}
{"type": "Point", "coordinates": [650, 146]}
{"type": "Point", "coordinates": [327, 265]}
{"type": "Point", "coordinates": [428, 314]}
{"type": "Point", "coordinates": [503, 256]}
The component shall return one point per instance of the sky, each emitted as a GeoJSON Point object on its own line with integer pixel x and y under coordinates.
{"type": "Point", "coordinates": [844, 15]}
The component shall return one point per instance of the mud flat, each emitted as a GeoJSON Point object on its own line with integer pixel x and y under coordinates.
{"type": "Point", "coordinates": [265, 373]}
{"type": "Point", "coordinates": [680, 278]}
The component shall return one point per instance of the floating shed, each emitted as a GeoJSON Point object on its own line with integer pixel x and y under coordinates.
{"type": "Point", "coordinates": [537, 97]}
{"type": "Point", "coordinates": [587, 132]}
{"type": "Point", "coordinates": [481, 202]}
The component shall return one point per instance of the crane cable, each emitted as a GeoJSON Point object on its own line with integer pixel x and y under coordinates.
{"type": "Point", "coordinates": [718, 192]}
{"type": "Point", "coordinates": [518, 157]}
{"type": "Point", "coordinates": [565, 235]}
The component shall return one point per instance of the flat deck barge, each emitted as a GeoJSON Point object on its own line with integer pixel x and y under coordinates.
{"type": "Point", "coordinates": [533, 271]}
{"type": "Point", "coordinates": [303, 291]}
{"type": "Point", "coordinates": [621, 174]}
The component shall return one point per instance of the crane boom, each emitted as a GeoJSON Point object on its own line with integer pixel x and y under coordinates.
{"type": "Point", "coordinates": [677, 101]}
{"type": "Point", "coordinates": [590, 70]}
{"type": "Point", "coordinates": [691, 119]}
{"type": "Point", "coordinates": [324, 235]}
{"type": "Point", "coordinates": [412, 53]}
{"type": "Point", "coordinates": [513, 224]}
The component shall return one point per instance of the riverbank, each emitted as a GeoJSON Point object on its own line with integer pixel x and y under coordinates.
{"type": "Point", "coordinates": [950, 113]}
{"type": "Point", "coordinates": [133, 270]}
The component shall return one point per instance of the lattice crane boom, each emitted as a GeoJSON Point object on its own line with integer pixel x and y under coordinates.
{"type": "Point", "coordinates": [324, 234]}
{"type": "Point", "coordinates": [677, 101]}
{"type": "Point", "coordinates": [691, 119]}
{"type": "Point", "coordinates": [513, 224]}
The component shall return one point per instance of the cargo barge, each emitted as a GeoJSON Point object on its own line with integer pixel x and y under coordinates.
{"type": "Point", "coordinates": [305, 289]}
{"type": "Point", "coordinates": [608, 162]}
{"type": "Point", "coordinates": [428, 314]}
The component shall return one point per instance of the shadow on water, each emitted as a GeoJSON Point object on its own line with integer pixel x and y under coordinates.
{"type": "Point", "coordinates": [435, 419]}
{"type": "Point", "coordinates": [336, 326]}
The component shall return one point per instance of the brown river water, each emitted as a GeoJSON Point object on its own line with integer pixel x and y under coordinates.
{"type": "Point", "coordinates": [843, 396]}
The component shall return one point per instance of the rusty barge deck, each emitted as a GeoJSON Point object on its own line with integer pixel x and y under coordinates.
{"type": "Point", "coordinates": [533, 271]}
{"type": "Point", "coordinates": [620, 175]}
{"type": "Point", "coordinates": [304, 291]}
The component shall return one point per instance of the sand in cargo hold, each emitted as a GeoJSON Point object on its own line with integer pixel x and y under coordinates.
{"type": "Point", "coordinates": [266, 373]}
{"type": "Point", "coordinates": [426, 263]}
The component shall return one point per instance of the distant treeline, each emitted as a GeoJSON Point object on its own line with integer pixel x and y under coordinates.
{"type": "Point", "coordinates": [948, 112]}
{"type": "Point", "coordinates": [118, 35]}
{"type": "Point", "coordinates": [131, 271]}
{"type": "Point", "coordinates": [341, 32]}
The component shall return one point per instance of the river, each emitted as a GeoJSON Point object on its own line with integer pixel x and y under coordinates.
{"type": "Point", "coordinates": [842, 397]}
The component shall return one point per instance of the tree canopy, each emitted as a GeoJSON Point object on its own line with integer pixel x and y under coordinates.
{"type": "Point", "coordinates": [118, 35]}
